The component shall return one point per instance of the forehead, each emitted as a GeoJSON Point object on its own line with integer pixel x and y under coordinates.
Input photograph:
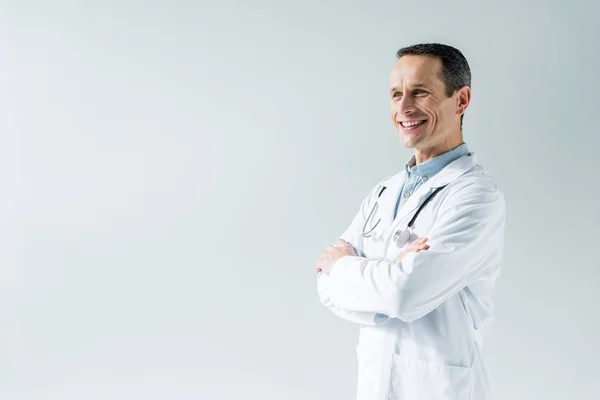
{"type": "Point", "coordinates": [413, 69]}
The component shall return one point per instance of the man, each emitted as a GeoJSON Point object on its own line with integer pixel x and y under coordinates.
{"type": "Point", "coordinates": [417, 265]}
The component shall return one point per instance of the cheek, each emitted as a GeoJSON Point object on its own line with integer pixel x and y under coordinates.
{"type": "Point", "coordinates": [448, 107]}
{"type": "Point", "coordinates": [432, 110]}
{"type": "Point", "coordinates": [447, 113]}
{"type": "Point", "coordinates": [425, 109]}
{"type": "Point", "coordinates": [393, 112]}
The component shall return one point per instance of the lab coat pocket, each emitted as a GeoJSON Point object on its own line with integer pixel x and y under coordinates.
{"type": "Point", "coordinates": [422, 380]}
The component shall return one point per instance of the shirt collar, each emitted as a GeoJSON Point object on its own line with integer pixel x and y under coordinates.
{"type": "Point", "coordinates": [431, 167]}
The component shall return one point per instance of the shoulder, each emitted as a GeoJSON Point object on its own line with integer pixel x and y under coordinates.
{"type": "Point", "coordinates": [476, 186]}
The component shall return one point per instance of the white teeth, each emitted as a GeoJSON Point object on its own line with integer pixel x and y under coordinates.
{"type": "Point", "coordinates": [411, 123]}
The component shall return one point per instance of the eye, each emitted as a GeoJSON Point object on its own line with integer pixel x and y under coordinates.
{"type": "Point", "coordinates": [420, 92]}
{"type": "Point", "coordinates": [397, 94]}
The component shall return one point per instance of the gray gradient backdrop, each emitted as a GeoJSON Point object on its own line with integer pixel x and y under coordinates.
{"type": "Point", "coordinates": [172, 170]}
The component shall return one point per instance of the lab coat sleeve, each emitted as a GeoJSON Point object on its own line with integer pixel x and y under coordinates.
{"type": "Point", "coordinates": [352, 235]}
{"type": "Point", "coordinates": [358, 317]}
{"type": "Point", "coordinates": [465, 240]}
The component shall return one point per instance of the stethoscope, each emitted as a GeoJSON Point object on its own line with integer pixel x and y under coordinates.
{"type": "Point", "coordinates": [365, 233]}
{"type": "Point", "coordinates": [401, 237]}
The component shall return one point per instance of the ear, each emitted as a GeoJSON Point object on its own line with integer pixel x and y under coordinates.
{"type": "Point", "coordinates": [463, 98]}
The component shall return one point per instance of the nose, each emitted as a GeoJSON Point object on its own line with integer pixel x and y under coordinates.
{"type": "Point", "coordinates": [406, 105]}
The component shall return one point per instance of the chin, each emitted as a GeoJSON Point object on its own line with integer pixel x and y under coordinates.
{"type": "Point", "coordinates": [407, 145]}
{"type": "Point", "coordinates": [409, 141]}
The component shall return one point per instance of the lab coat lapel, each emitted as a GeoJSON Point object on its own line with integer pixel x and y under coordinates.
{"type": "Point", "coordinates": [450, 173]}
{"type": "Point", "coordinates": [388, 200]}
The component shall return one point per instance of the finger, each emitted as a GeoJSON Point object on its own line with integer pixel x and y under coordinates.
{"type": "Point", "coordinates": [334, 249]}
{"type": "Point", "coordinates": [420, 248]}
{"type": "Point", "coordinates": [416, 243]}
{"type": "Point", "coordinates": [341, 242]}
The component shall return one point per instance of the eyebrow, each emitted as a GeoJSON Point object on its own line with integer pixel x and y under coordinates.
{"type": "Point", "coordinates": [415, 86]}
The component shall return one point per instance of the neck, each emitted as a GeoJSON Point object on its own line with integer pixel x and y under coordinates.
{"type": "Point", "coordinates": [425, 154]}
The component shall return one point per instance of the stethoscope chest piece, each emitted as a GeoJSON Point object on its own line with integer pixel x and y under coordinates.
{"type": "Point", "coordinates": [402, 237]}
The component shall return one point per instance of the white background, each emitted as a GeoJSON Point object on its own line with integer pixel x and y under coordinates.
{"type": "Point", "coordinates": [172, 170]}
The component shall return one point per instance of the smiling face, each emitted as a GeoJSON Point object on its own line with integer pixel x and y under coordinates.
{"type": "Point", "coordinates": [423, 114]}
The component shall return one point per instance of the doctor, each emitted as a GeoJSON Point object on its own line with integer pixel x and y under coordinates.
{"type": "Point", "coordinates": [416, 267]}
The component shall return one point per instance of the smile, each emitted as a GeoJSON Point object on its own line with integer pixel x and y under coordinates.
{"type": "Point", "coordinates": [408, 124]}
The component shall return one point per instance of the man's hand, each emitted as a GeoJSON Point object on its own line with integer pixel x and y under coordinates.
{"type": "Point", "coordinates": [416, 246]}
{"type": "Point", "coordinates": [334, 253]}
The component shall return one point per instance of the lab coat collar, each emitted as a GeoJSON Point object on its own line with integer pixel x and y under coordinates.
{"type": "Point", "coordinates": [430, 168]}
{"type": "Point", "coordinates": [453, 170]}
{"type": "Point", "coordinates": [395, 184]}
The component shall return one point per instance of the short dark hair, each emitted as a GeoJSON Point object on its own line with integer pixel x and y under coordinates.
{"type": "Point", "coordinates": [455, 71]}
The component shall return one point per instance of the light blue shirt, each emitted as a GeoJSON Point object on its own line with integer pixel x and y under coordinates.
{"type": "Point", "coordinates": [418, 174]}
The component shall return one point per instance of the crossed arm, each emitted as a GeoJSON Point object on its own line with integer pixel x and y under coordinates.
{"type": "Point", "coordinates": [466, 239]}
{"type": "Point", "coordinates": [343, 248]}
{"type": "Point", "coordinates": [330, 257]}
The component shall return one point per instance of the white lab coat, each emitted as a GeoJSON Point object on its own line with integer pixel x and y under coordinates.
{"type": "Point", "coordinates": [422, 319]}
